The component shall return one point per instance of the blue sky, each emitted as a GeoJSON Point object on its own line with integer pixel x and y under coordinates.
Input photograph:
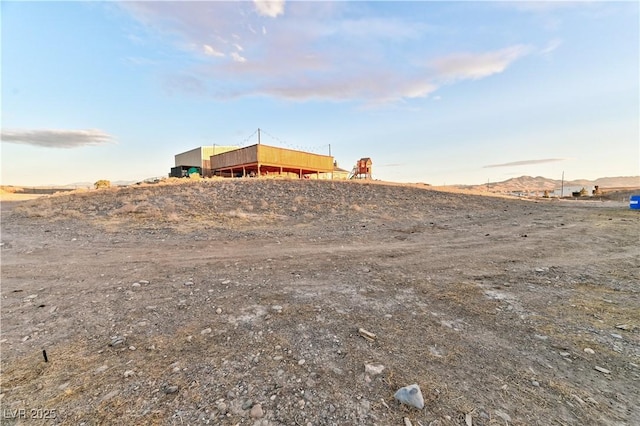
{"type": "Point", "coordinates": [435, 92]}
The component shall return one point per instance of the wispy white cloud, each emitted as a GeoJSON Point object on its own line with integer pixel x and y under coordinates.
{"type": "Point", "coordinates": [210, 51]}
{"type": "Point", "coordinates": [348, 87]}
{"type": "Point", "coordinates": [550, 47]}
{"type": "Point", "coordinates": [317, 50]}
{"type": "Point", "coordinates": [237, 57]}
{"type": "Point", "coordinates": [54, 138]}
{"type": "Point", "coordinates": [474, 66]}
{"type": "Point", "coordinates": [270, 8]}
{"type": "Point", "coordinates": [524, 163]}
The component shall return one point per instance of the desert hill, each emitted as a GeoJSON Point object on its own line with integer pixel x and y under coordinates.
{"type": "Point", "coordinates": [269, 302]}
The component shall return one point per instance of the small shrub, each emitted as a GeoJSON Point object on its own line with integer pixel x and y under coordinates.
{"type": "Point", "coordinates": [102, 183]}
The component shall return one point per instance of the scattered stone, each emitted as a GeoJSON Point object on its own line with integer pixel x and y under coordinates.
{"type": "Point", "coordinates": [373, 369]}
{"type": "Point", "coordinates": [117, 341]}
{"type": "Point", "coordinates": [625, 327]}
{"type": "Point", "coordinates": [367, 334]}
{"type": "Point", "coordinates": [222, 407]}
{"type": "Point", "coordinates": [589, 351]}
{"type": "Point", "coordinates": [565, 354]}
{"type": "Point", "coordinates": [468, 420]}
{"type": "Point", "coordinates": [109, 395]}
{"type": "Point", "coordinates": [535, 383]}
{"type": "Point", "coordinates": [407, 422]}
{"type": "Point", "coordinates": [145, 282]}
{"type": "Point", "coordinates": [602, 370]}
{"type": "Point", "coordinates": [301, 362]}
{"type": "Point", "coordinates": [205, 331]}
{"type": "Point", "coordinates": [277, 308]}
{"type": "Point", "coordinates": [616, 336]}
{"type": "Point", "coordinates": [53, 309]}
{"type": "Point", "coordinates": [410, 395]}
{"type": "Point", "coordinates": [540, 337]}
{"type": "Point", "coordinates": [132, 348]}
{"type": "Point", "coordinates": [256, 411]}
{"type": "Point", "coordinates": [218, 311]}
{"type": "Point", "coordinates": [188, 283]}
{"type": "Point", "coordinates": [247, 404]}
{"type": "Point", "coordinates": [577, 398]}
{"type": "Point", "coordinates": [504, 416]}
{"type": "Point", "coordinates": [128, 373]}
{"type": "Point", "coordinates": [168, 389]}
{"type": "Point", "coordinates": [101, 369]}
{"type": "Point", "coordinates": [135, 285]}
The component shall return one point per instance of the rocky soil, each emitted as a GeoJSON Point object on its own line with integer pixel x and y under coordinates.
{"type": "Point", "coordinates": [254, 302]}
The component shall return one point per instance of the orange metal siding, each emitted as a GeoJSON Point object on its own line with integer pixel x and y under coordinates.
{"type": "Point", "coordinates": [238, 157]}
{"type": "Point", "coordinates": [288, 158]}
{"type": "Point", "coordinates": [265, 155]}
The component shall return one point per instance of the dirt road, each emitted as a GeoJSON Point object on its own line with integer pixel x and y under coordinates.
{"type": "Point", "coordinates": [239, 302]}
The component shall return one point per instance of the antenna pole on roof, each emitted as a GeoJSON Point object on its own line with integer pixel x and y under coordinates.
{"type": "Point", "coordinates": [258, 135]}
{"type": "Point", "coordinates": [329, 150]}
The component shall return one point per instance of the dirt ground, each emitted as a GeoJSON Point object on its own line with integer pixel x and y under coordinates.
{"type": "Point", "coordinates": [239, 302]}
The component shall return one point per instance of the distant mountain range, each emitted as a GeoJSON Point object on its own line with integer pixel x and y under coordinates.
{"type": "Point", "coordinates": [539, 183]}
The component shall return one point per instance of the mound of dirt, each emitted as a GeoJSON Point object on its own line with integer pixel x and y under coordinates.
{"type": "Point", "coordinates": [266, 302]}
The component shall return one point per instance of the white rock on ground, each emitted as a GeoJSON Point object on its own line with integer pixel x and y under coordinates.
{"type": "Point", "coordinates": [373, 369]}
{"type": "Point", "coordinates": [410, 395]}
{"type": "Point", "coordinates": [256, 411]}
